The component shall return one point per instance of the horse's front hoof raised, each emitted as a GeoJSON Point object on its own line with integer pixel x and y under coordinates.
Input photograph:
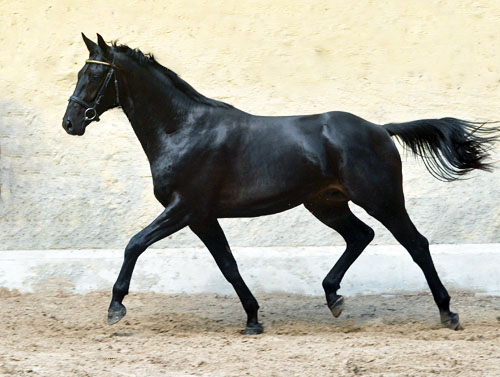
{"type": "Point", "coordinates": [451, 321]}
{"type": "Point", "coordinates": [115, 313]}
{"type": "Point", "coordinates": [253, 329]}
{"type": "Point", "coordinates": [337, 307]}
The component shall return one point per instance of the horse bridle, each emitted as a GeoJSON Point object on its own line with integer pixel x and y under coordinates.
{"type": "Point", "coordinates": [91, 109]}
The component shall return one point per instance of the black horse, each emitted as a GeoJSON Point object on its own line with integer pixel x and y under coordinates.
{"type": "Point", "coordinates": [210, 160]}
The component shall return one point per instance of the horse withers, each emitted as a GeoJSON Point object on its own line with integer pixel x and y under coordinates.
{"type": "Point", "coordinates": [210, 160]}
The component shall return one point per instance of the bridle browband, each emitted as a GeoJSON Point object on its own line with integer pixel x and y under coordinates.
{"type": "Point", "coordinates": [91, 109]}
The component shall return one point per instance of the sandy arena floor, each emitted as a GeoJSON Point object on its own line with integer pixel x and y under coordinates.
{"type": "Point", "coordinates": [59, 334]}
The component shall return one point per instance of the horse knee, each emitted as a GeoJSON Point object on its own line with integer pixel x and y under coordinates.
{"type": "Point", "coordinates": [134, 247]}
{"type": "Point", "coordinates": [419, 251]}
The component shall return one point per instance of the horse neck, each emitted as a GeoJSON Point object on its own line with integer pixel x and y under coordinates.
{"type": "Point", "coordinates": [154, 107]}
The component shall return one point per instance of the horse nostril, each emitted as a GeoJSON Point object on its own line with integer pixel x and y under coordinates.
{"type": "Point", "coordinates": [69, 126]}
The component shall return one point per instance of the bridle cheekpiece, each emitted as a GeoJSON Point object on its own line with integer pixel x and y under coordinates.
{"type": "Point", "coordinates": [91, 109]}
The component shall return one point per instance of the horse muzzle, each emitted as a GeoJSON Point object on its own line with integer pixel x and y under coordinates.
{"type": "Point", "coordinates": [72, 129]}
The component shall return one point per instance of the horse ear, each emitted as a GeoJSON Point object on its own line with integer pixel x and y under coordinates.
{"type": "Point", "coordinates": [91, 46]}
{"type": "Point", "coordinates": [104, 47]}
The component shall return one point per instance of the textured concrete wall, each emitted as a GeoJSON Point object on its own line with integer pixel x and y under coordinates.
{"type": "Point", "coordinates": [380, 269]}
{"type": "Point", "coordinates": [383, 60]}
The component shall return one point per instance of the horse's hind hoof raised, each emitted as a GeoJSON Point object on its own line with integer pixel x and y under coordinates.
{"type": "Point", "coordinates": [451, 321]}
{"type": "Point", "coordinates": [253, 330]}
{"type": "Point", "coordinates": [115, 313]}
{"type": "Point", "coordinates": [337, 307]}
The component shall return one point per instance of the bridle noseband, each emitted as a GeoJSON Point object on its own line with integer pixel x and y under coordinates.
{"type": "Point", "coordinates": [91, 109]}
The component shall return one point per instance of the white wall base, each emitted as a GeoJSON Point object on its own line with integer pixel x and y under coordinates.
{"type": "Point", "coordinates": [380, 269]}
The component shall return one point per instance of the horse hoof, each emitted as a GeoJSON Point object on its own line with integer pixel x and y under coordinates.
{"type": "Point", "coordinates": [253, 330]}
{"type": "Point", "coordinates": [451, 321]}
{"type": "Point", "coordinates": [337, 307]}
{"type": "Point", "coordinates": [116, 313]}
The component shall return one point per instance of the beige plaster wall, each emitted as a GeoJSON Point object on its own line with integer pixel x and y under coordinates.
{"type": "Point", "coordinates": [383, 60]}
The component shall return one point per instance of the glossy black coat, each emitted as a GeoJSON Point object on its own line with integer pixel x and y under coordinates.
{"type": "Point", "coordinates": [210, 160]}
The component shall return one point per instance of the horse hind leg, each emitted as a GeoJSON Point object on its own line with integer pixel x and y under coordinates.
{"type": "Point", "coordinates": [374, 182]}
{"type": "Point", "coordinates": [357, 236]}
{"type": "Point", "coordinates": [391, 212]}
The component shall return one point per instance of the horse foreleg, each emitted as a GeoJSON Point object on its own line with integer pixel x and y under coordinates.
{"type": "Point", "coordinates": [357, 236]}
{"type": "Point", "coordinates": [172, 219]}
{"type": "Point", "coordinates": [211, 234]}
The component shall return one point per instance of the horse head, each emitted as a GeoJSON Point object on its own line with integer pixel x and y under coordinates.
{"type": "Point", "coordinates": [96, 90]}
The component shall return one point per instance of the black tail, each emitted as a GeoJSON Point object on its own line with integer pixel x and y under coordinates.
{"type": "Point", "coordinates": [449, 147]}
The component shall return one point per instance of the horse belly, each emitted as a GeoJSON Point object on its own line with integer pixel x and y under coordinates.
{"type": "Point", "coordinates": [257, 205]}
{"type": "Point", "coordinates": [270, 189]}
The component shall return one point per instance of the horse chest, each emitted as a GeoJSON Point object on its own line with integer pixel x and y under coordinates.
{"type": "Point", "coordinates": [164, 175]}
{"type": "Point", "coordinates": [174, 171]}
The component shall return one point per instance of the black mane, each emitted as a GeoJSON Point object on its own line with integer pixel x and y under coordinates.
{"type": "Point", "coordinates": [183, 86]}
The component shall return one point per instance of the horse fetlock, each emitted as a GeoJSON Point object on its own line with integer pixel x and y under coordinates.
{"type": "Point", "coordinates": [120, 290]}
{"type": "Point", "coordinates": [443, 302]}
{"type": "Point", "coordinates": [251, 308]}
